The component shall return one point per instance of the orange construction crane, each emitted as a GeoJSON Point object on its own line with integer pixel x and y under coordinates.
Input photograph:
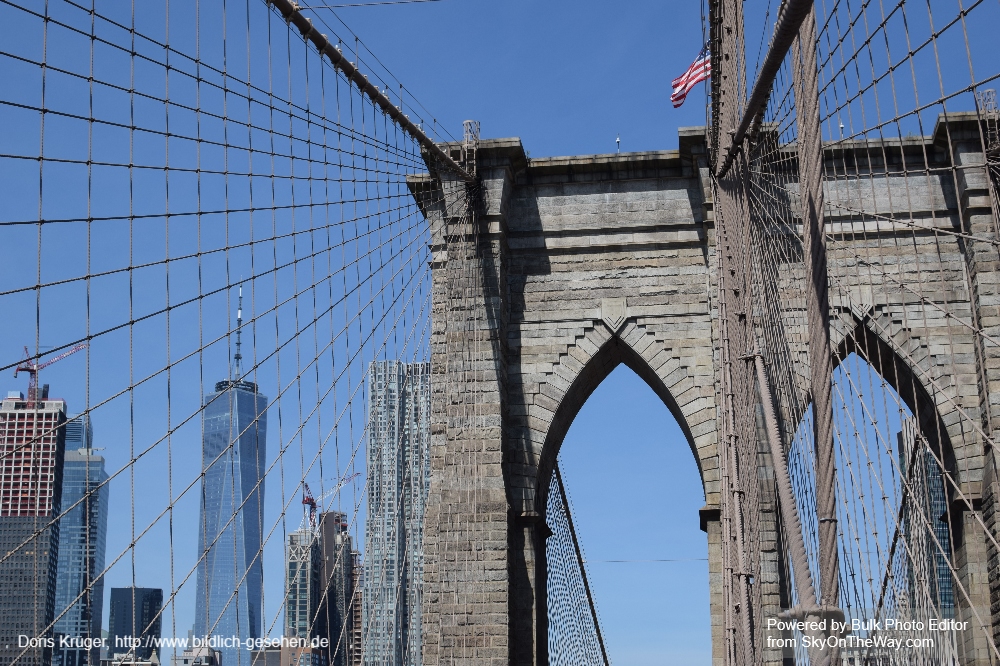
{"type": "Point", "coordinates": [32, 366]}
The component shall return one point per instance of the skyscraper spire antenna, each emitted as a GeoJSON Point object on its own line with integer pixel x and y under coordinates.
{"type": "Point", "coordinates": [238, 357]}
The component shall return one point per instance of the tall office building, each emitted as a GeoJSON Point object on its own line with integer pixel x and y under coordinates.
{"type": "Point", "coordinates": [928, 570]}
{"type": "Point", "coordinates": [82, 538]}
{"type": "Point", "coordinates": [32, 447]}
{"type": "Point", "coordinates": [337, 576]}
{"type": "Point", "coordinates": [302, 584]}
{"type": "Point", "coordinates": [398, 455]}
{"type": "Point", "coordinates": [228, 597]}
{"type": "Point", "coordinates": [134, 622]}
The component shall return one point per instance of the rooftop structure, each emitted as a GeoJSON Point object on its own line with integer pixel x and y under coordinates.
{"type": "Point", "coordinates": [202, 656]}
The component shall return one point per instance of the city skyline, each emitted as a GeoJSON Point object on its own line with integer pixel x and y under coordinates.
{"type": "Point", "coordinates": [79, 431]}
{"type": "Point", "coordinates": [148, 568]}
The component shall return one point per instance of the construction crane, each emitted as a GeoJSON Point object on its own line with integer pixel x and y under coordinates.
{"type": "Point", "coordinates": [314, 503]}
{"type": "Point", "coordinates": [32, 367]}
{"type": "Point", "coordinates": [310, 501]}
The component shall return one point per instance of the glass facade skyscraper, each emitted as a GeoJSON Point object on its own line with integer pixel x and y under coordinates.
{"type": "Point", "coordinates": [230, 580]}
{"type": "Point", "coordinates": [82, 541]}
{"type": "Point", "coordinates": [302, 583]}
{"type": "Point", "coordinates": [398, 457]}
{"type": "Point", "coordinates": [228, 599]}
{"type": "Point", "coordinates": [135, 614]}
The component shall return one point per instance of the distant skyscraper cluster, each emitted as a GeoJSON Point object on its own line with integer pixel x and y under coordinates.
{"type": "Point", "coordinates": [368, 609]}
{"type": "Point", "coordinates": [321, 596]}
{"type": "Point", "coordinates": [54, 502]}
{"type": "Point", "coordinates": [353, 610]}
{"type": "Point", "coordinates": [49, 466]}
{"type": "Point", "coordinates": [398, 480]}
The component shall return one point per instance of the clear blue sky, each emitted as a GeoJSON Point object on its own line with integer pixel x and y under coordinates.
{"type": "Point", "coordinates": [564, 75]}
{"type": "Point", "coordinates": [635, 492]}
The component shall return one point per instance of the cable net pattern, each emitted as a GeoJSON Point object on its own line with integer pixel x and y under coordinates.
{"type": "Point", "coordinates": [220, 227]}
{"type": "Point", "coordinates": [215, 251]}
{"type": "Point", "coordinates": [859, 216]}
{"type": "Point", "coordinates": [573, 628]}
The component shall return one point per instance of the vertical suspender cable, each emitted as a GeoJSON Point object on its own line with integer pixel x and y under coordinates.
{"type": "Point", "coordinates": [818, 308]}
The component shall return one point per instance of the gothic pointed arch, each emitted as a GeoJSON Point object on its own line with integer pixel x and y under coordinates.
{"type": "Point", "coordinates": [683, 384]}
{"type": "Point", "coordinates": [912, 372]}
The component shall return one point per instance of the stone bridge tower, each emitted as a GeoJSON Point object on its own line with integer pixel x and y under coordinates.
{"type": "Point", "coordinates": [562, 268]}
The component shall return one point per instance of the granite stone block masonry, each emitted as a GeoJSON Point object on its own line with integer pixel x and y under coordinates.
{"type": "Point", "coordinates": [551, 272]}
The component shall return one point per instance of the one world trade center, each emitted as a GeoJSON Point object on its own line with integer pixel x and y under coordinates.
{"type": "Point", "coordinates": [228, 602]}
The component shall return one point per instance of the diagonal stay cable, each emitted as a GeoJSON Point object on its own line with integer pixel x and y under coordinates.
{"type": "Point", "coordinates": [581, 563]}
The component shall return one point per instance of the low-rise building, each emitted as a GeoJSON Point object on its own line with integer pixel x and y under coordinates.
{"type": "Point", "coordinates": [200, 656]}
{"type": "Point", "coordinates": [129, 659]}
{"type": "Point", "coordinates": [287, 656]}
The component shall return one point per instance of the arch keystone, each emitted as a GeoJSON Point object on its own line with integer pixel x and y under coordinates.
{"type": "Point", "coordinates": [613, 313]}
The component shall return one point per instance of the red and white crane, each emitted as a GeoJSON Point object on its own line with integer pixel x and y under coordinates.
{"type": "Point", "coordinates": [315, 503]}
{"type": "Point", "coordinates": [32, 366]}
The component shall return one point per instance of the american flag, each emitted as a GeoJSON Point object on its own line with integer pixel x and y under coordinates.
{"type": "Point", "coordinates": [699, 70]}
